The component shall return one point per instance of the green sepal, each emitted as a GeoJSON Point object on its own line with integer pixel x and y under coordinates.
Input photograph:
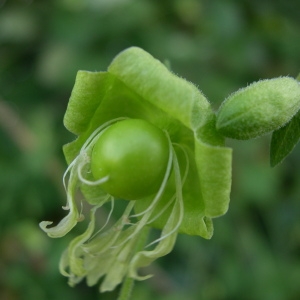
{"type": "Point", "coordinates": [214, 169]}
{"type": "Point", "coordinates": [150, 79]}
{"type": "Point", "coordinates": [90, 88]}
{"type": "Point", "coordinates": [139, 86]}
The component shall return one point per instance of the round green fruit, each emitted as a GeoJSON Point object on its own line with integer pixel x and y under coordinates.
{"type": "Point", "coordinates": [134, 155]}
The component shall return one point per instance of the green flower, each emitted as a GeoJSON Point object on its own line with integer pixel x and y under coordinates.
{"type": "Point", "coordinates": [146, 139]}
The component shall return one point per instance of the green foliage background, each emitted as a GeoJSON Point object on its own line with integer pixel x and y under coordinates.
{"type": "Point", "coordinates": [220, 46]}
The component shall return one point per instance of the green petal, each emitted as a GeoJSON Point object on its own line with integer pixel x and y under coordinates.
{"type": "Point", "coordinates": [145, 258]}
{"type": "Point", "coordinates": [64, 264]}
{"type": "Point", "coordinates": [119, 268]}
{"type": "Point", "coordinates": [69, 221]}
{"type": "Point", "coordinates": [75, 253]}
{"type": "Point", "coordinates": [165, 246]}
{"type": "Point", "coordinates": [169, 233]}
{"type": "Point", "coordinates": [98, 267]}
{"type": "Point", "coordinates": [101, 255]}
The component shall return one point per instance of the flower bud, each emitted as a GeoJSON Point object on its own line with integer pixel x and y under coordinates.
{"type": "Point", "coordinates": [261, 107]}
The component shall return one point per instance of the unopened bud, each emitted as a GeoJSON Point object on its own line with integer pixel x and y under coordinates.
{"type": "Point", "coordinates": [260, 108]}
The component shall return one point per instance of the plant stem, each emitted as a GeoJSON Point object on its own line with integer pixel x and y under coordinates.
{"type": "Point", "coordinates": [126, 289]}
{"type": "Point", "coordinates": [128, 282]}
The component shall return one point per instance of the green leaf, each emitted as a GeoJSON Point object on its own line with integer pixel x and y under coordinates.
{"type": "Point", "coordinates": [284, 140]}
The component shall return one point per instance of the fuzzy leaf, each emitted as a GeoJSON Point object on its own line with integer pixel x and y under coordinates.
{"type": "Point", "coordinates": [284, 140]}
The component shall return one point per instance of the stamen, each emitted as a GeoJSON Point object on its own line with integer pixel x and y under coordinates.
{"type": "Point", "coordinates": [90, 182]}
{"type": "Point", "coordinates": [187, 162]}
{"type": "Point", "coordinates": [83, 156]}
{"type": "Point", "coordinates": [179, 202]}
{"type": "Point", "coordinates": [164, 182]}
{"type": "Point", "coordinates": [148, 212]}
{"type": "Point", "coordinates": [183, 182]}
{"type": "Point", "coordinates": [117, 229]}
{"type": "Point", "coordinates": [70, 185]}
{"type": "Point", "coordinates": [162, 210]}
{"type": "Point", "coordinates": [99, 129]}
{"type": "Point", "coordinates": [69, 169]}
{"type": "Point", "coordinates": [108, 217]}
{"type": "Point", "coordinates": [86, 145]}
{"type": "Point", "coordinates": [81, 216]}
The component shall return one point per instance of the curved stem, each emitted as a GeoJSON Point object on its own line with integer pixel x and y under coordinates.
{"type": "Point", "coordinates": [128, 283]}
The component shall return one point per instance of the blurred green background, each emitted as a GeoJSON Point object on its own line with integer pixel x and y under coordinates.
{"type": "Point", "coordinates": [220, 46]}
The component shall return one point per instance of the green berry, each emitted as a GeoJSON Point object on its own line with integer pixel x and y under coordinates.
{"type": "Point", "coordinates": [134, 155]}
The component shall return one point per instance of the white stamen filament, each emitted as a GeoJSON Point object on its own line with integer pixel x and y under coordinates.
{"type": "Point", "coordinates": [98, 130]}
{"type": "Point", "coordinates": [183, 182]}
{"type": "Point", "coordinates": [163, 184]}
{"type": "Point", "coordinates": [90, 182]}
{"type": "Point", "coordinates": [117, 228]}
{"type": "Point", "coordinates": [91, 140]}
{"type": "Point", "coordinates": [162, 210]}
{"type": "Point", "coordinates": [147, 213]}
{"type": "Point", "coordinates": [108, 217]}
{"type": "Point", "coordinates": [179, 201]}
